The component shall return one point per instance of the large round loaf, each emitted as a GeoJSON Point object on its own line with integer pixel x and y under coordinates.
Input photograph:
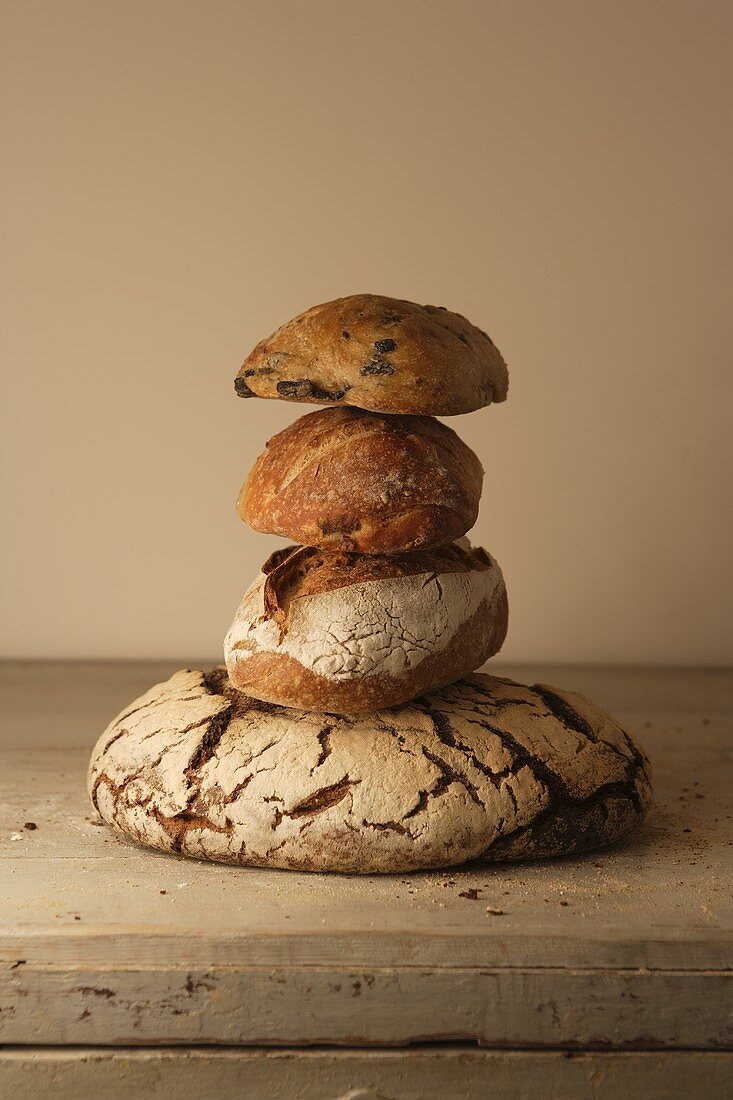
{"type": "Point", "coordinates": [365, 482]}
{"type": "Point", "coordinates": [334, 631]}
{"type": "Point", "coordinates": [378, 353]}
{"type": "Point", "coordinates": [486, 769]}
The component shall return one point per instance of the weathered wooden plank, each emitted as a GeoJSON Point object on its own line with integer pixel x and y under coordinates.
{"type": "Point", "coordinates": [77, 893]}
{"type": "Point", "coordinates": [544, 952]}
{"type": "Point", "coordinates": [377, 1007]}
{"type": "Point", "coordinates": [427, 1073]}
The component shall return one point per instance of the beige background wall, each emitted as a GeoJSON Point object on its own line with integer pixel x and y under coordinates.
{"type": "Point", "coordinates": [179, 177]}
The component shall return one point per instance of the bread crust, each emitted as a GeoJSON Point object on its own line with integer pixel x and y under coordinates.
{"type": "Point", "coordinates": [378, 353]}
{"type": "Point", "coordinates": [364, 481]}
{"type": "Point", "coordinates": [486, 769]}
{"type": "Point", "coordinates": [353, 633]}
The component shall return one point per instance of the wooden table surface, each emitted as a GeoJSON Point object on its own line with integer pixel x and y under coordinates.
{"type": "Point", "coordinates": [130, 967]}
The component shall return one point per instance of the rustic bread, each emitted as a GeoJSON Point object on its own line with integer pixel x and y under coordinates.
{"type": "Point", "coordinates": [328, 630]}
{"type": "Point", "coordinates": [486, 769]}
{"type": "Point", "coordinates": [364, 481]}
{"type": "Point", "coordinates": [378, 353]}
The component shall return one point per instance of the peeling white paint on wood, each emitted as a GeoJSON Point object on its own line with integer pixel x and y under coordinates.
{"type": "Point", "coordinates": [377, 1007]}
{"type": "Point", "coordinates": [428, 1073]}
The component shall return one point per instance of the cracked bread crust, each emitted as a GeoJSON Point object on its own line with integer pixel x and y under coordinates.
{"type": "Point", "coordinates": [365, 482]}
{"type": "Point", "coordinates": [378, 353]}
{"type": "Point", "coordinates": [486, 769]}
{"type": "Point", "coordinates": [353, 633]}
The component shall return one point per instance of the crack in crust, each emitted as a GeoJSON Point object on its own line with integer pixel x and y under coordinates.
{"type": "Point", "coordinates": [206, 748]}
{"type": "Point", "coordinates": [449, 775]}
{"type": "Point", "coordinates": [323, 799]}
{"type": "Point", "coordinates": [564, 810]}
{"type": "Point", "coordinates": [485, 769]}
{"type": "Point", "coordinates": [324, 740]}
{"type": "Point", "coordinates": [566, 714]}
{"type": "Point", "coordinates": [444, 733]}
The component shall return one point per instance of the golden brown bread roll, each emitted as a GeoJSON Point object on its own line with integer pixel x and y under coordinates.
{"type": "Point", "coordinates": [332, 631]}
{"type": "Point", "coordinates": [365, 482]}
{"type": "Point", "coordinates": [378, 353]}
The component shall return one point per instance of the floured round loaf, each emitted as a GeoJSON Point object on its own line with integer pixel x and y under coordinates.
{"type": "Point", "coordinates": [365, 482]}
{"type": "Point", "coordinates": [329, 630]}
{"type": "Point", "coordinates": [486, 769]}
{"type": "Point", "coordinates": [378, 353]}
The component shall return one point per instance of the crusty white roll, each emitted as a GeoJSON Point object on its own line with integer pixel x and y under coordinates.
{"type": "Point", "coordinates": [349, 633]}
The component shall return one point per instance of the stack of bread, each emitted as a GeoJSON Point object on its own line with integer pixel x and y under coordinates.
{"type": "Point", "coordinates": [347, 731]}
{"type": "Point", "coordinates": [381, 599]}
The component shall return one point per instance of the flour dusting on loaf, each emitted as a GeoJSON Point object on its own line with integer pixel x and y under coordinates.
{"type": "Point", "coordinates": [485, 769]}
{"type": "Point", "coordinates": [383, 639]}
{"type": "Point", "coordinates": [379, 627]}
